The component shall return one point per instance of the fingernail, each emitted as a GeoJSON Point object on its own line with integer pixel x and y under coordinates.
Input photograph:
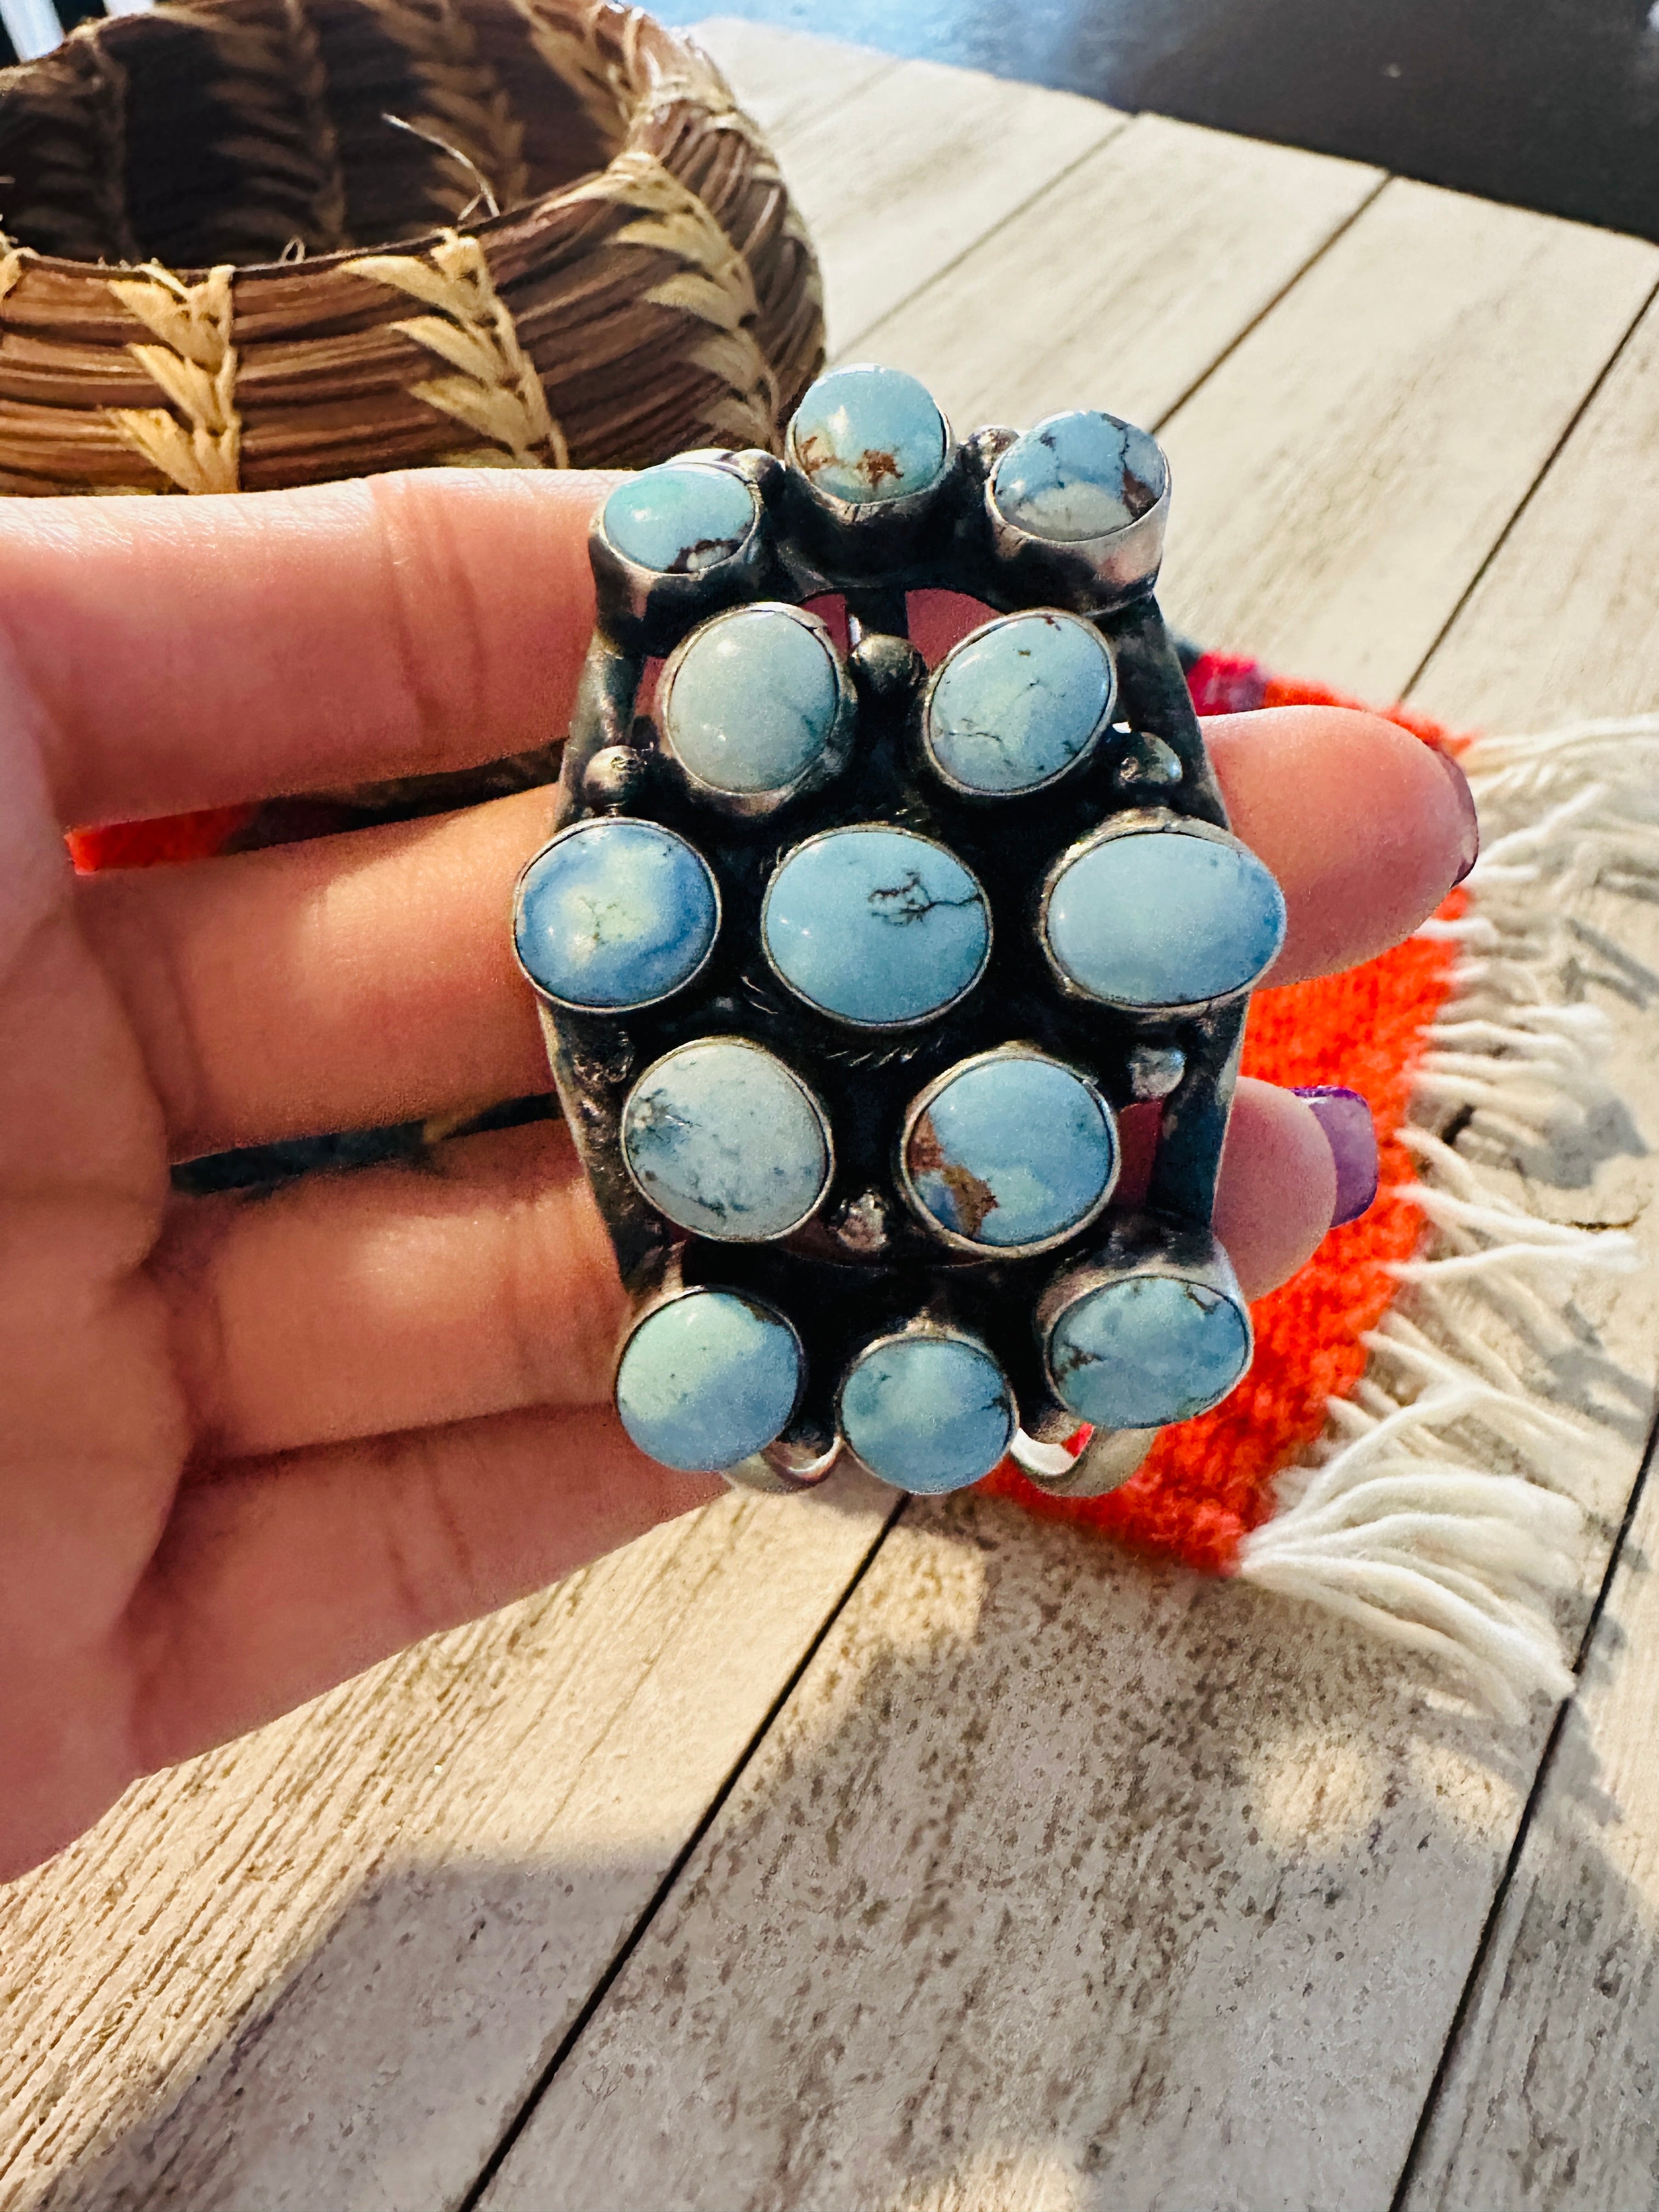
{"type": "Point", "coordinates": [1352, 1135]}
{"type": "Point", "coordinates": [1471, 846]}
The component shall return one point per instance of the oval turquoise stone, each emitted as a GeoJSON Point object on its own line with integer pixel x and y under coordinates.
{"type": "Point", "coordinates": [1079, 476]}
{"type": "Point", "coordinates": [752, 703]}
{"type": "Point", "coordinates": [866, 435]}
{"type": "Point", "coordinates": [680, 517]}
{"type": "Point", "coordinates": [722, 1139]}
{"type": "Point", "coordinates": [614, 915]}
{"type": "Point", "coordinates": [707, 1379]}
{"type": "Point", "coordinates": [1012, 1151]}
{"type": "Point", "coordinates": [878, 927]}
{"type": "Point", "coordinates": [1013, 709]}
{"type": "Point", "coordinates": [1150, 1349]}
{"type": "Point", "coordinates": [927, 1414]}
{"type": "Point", "coordinates": [1157, 918]}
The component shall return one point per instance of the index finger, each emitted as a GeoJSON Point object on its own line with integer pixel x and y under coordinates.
{"type": "Point", "coordinates": [182, 653]}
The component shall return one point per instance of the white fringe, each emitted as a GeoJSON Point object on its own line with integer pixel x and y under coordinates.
{"type": "Point", "coordinates": [1441, 1508]}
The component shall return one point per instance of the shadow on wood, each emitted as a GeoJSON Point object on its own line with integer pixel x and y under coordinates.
{"type": "Point", "coordinates": [1059, 1871]}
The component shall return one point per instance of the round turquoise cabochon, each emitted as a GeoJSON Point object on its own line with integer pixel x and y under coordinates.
{"type": "Point", "coordinates": [1164, 917]}
{"type": "Point", "coordinates": [722, 1138]}
{"type": "Point", "coordinates": [707, 1379]}
{"type": "Point", "coordinates": [1148, 1350]}
{"type": "Point", "coordinates": [1079, 476]}
{"type": "Point", "coordinates": [866, 435]}
{"type": "Point", "coordinates": [876, 926]}
{"type": "Point", "coordinates": [1013, 705]}
{"type": "Point", "coordinates": [680, 517]}
{"type": "Point", "coordinates": [927, 1413]}
{"type": "Point", "coordinates": [753, 699]}
{"type": "Point", "coordinates": [1012, 1151]}
{"type": "Point", "coordinates": [614, 915]}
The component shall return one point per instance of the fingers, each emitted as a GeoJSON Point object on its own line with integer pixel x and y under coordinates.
{"type": "Point", "coordinates": [179, 653]}
{"type": "Point", "coordinates": [351, 981]}
{"type": "Point", "coordinates": [286, 1574]}
{"type": "Point", "coordinates": [367, 978]}
{"type": "Point", "coordinates": [396, 1298]}
{"type": "Point", "coordinates": [399, 1298]}
{"type": "Point", "coordinates": [1277, 1188]}
{"type": "Point", "coordinates": [284, 1577]}
{"type": "Point", "coordinates": [1366, 828]}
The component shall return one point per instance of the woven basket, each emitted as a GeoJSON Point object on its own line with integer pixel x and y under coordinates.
{"type": "Point", "coordinates": [222, 267]}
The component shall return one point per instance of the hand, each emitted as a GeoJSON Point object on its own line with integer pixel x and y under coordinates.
{"type": "Point", "coordinates": [250, 1446]}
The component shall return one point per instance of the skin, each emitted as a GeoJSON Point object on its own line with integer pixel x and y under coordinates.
{"type": "Point", "coordinates": [249, 1447]}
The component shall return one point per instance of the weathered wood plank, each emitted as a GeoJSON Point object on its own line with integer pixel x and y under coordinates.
{"type": "Point", "coordinates": [787, 78]}
{"type": "Point", "coordinates": [1347, 469]}
{"type": "Point", "coordinates": [898, 184]}
{"type": "Point", "coordinates": [1551, 2098]}
{"type": "Point", "coordinates": [1047, 1891]}
{"type": "Point", "coordinates": [1121, 285]}
{"type": "Point", "coordinates": [1563, 619]}
{"type": "Point", "coordinates": [1061, 1882]}
{"type": "Point", "coordinates": [1064, 1881]}
{"type": "Point", "coordinates": [1551, 2101]}
{"type": "Point", "coordinates": [323, 1966]}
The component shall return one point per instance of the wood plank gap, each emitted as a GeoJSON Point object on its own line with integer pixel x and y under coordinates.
{"type": "Point", "coordinates": [1508, 531]}
{"type": "Point", "coordinates": [1269, 306]}
{"type": "Point", "coordinates": [1409, 2171]}
{"type": "Point", "coordinates": [636, 1935]}
{"type": "Point", "coordinates": [974, 245]}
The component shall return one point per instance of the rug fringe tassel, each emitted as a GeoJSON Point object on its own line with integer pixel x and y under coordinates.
{"type": "Point", "coordinates": [1399, 1520]}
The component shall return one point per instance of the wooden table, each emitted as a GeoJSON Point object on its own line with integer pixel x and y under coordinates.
{"type": "Point", "coordinates": [803, 1856]}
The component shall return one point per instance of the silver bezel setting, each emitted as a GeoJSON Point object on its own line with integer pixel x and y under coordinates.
{"type": "Point", "coordinates": [672, 1292]}
{"type": "Point", "coordinates": [1123, 562]}
{"type": "Point", "coordinates": [1139, 1248]}
{"type": "Point", "coordinates": [941, 1083]}
{"type": "Point", "coordinates": [1142, 821]}
{"type": "Point", "coordinates": [939, 1332]}
{"type": "Point", "coordinates": [715, 579]}
{"type": "Point", "coordinates": [589, 823]}
{"type": "Point", "coordinates": [1079, 760]}
{"type": "Point", "coordinates": [908, 507]}
{"type": "Point", "coordinates": [746, 1044]}
{"type": "Point", "coordinates": [754, 806]}
{"type": "Point", "coordinates": [847, 1021]}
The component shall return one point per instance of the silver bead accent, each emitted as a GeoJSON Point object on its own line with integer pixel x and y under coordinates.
{"type": "Point", "coordinates": [1155, 1069]}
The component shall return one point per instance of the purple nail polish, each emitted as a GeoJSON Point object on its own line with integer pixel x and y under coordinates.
{"type": "Point", "coordinates": [1352, 1135]}
{"type": "Point", "coordinates": [1471, 846]}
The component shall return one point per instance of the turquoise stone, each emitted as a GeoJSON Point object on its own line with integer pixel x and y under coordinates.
{"type": "Point", "coordinates": [1012, 1151]}
{"type": "Point", "coordinates": [878, 927]}
{"type": "Point", "coordinates": [1159, 918]}
{"type": "Point", "coordinates": [722, 1139]}
{"type": "Point", "coordinates": [927, 1414]}
{"type": "Point", "coordinates": [752, 703]}
{"type": "Point", "coordinates": [1012, 708]}
{"type": "Point", "coordinates": [1150, 1349]}
{"type": "Point", "coordinates": [1078, 477]}
{"type": "Point", "coordinates": [707, 1379]}
{"type": "Point", "coordinates": [866, 435]}
{"type": "Point", "coordinates": [614, 915]}
{"type": "Point", "coordinates": [680, 517]}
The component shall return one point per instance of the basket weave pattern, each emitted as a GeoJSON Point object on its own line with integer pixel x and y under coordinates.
{"type": "Point", "coordinates": [224, 266]}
